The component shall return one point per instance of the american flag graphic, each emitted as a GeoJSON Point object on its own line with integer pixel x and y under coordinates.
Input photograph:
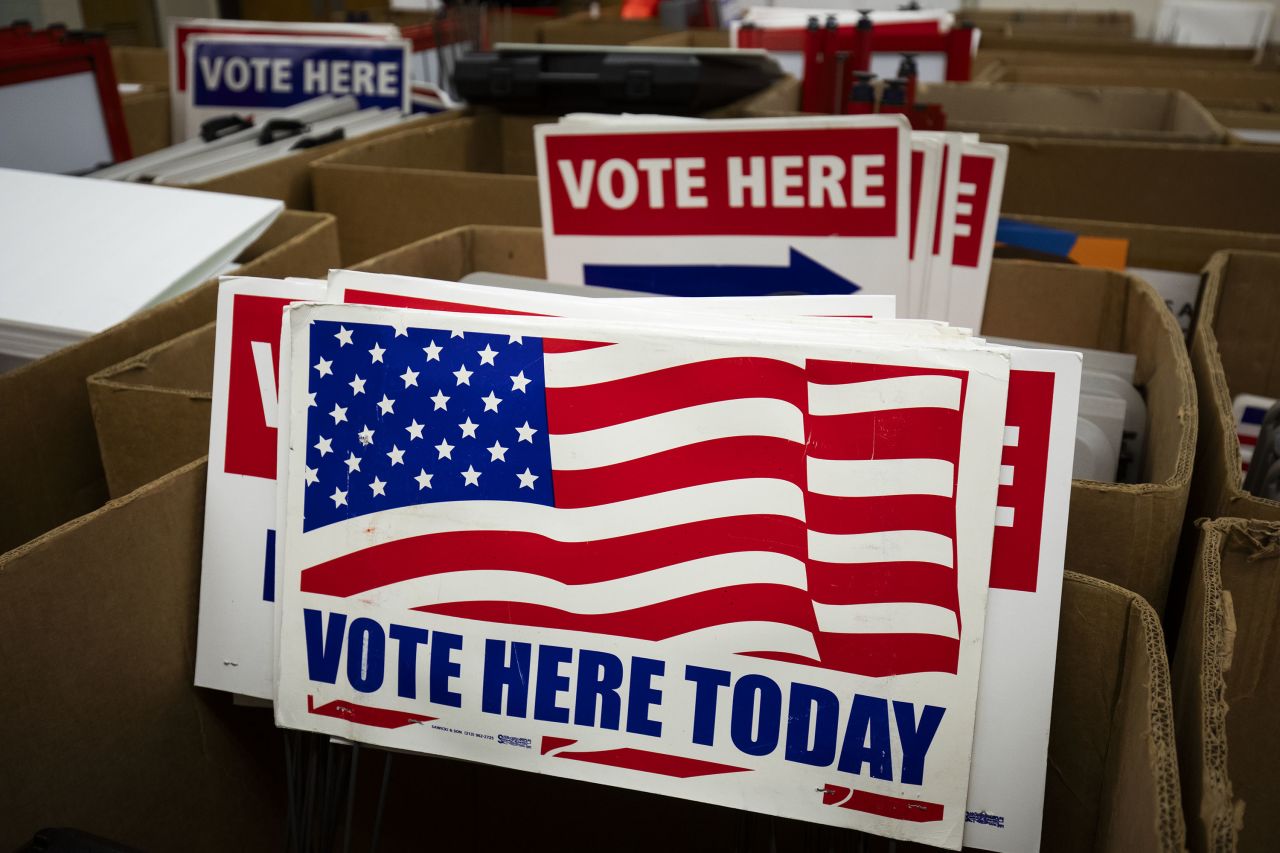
{"type": "Point", "coordinates": [798, 510]}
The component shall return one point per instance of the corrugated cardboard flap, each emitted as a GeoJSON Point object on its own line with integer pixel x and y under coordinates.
{"type": "Point", "coordinates": [1113, 777]}
{"type": "Point", "coordinates": [151, 411]}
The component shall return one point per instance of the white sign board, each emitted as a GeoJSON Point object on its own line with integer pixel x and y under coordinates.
{"type": "Point", "coordinates": [449, 590]}
{"type": "Point", "coordinates": [738, 207]}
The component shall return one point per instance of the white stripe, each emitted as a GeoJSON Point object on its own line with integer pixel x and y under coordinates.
{"type": "Point", "coordinates": [618, 361]}
{"type": "Point", "coordinates": [628, 593]}
{"type": "Point", "coordinates": [651, 512]}
{"type": "Point", "coordinates": [739, 637]}
{"type": "Point", "coordinates": [645, 436]}
{"type": "Point", "coordinates": [887, 618]}
{"type": "Point", "coordinates": [867, 478]}
{"type": "Point", "coordinates": [874, 395]}
{"type": "Point", "coordinates": [264, 366]}
{"type": "Point", "coordinates": [914, 546]}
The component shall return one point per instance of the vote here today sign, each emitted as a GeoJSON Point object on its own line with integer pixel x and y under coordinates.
{"type": "Point", "coordinates": [738, 207]}
{"type": "Point", "coordinates": [259, 74]}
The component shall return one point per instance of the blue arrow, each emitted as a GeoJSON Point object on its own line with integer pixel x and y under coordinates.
{"type": "Point", "coordinates": [802, 275]}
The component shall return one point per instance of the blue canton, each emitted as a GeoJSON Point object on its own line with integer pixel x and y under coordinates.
{"type": "Point", "coordinates": [405, 416]}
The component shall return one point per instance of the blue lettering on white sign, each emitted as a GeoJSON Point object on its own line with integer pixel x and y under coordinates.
{"type": "Point", "coordinates": [272, 75]}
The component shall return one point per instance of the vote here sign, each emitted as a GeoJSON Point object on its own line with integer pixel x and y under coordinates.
{"type": "Point", "coordinates": [259, 74]}
{"type": "Point", "coordinates": [731, 207]}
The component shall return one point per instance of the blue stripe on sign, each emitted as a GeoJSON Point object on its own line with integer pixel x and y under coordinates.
{"type": "Point", "coordinates": [1253, 415]}
{"type": "Point", "coordinates": [269, 569]}
{"type": "Point", "coordinates": [1039, 238]}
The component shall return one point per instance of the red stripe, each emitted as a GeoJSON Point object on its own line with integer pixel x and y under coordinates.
{"type": "Point", "coordinates": [917, 433]}
{"type": "Point", "coordinates": [899, 808]}
{"type": "Point", "coordinates": [651, 762]}
{"type": "Point", "coordinates": [365, 715]}
{"type": "Point", "coordinates": [587, 407]}
{"type": "Point", "coordinates": [882, 655]}
{"type": "Point", "coordinates": [567, 562]}
{"type": "Point", "coordinates": [828, 514]}
{"type": "Point", "coordinates": [396, 300]}
{"type": "Point", "coordinates": [552, 346]}
{"type": "Point", "coordinates": [879, 583]}
{"type": "Point", "coordinates": [715, 461]}
{"type": "Point", "coordinates": [743, 603]}
{"type": "Point", "coordinates": [846, 372]}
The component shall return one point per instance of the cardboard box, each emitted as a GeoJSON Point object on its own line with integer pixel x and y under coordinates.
{"type": "Point", "coordinates": [1245, 89]}
{"type": "Point", "coordinates": [1124, 533]}
{"type": "Point", "coordinates": [1200, 186]}
{"type": "Point", "coordinates": [140, 65]}
{"type": "Point", "coordinates": [151, 411]}
{"type": "Point", "coordinates": [1112, 780]}
{"type": "Point", "coordinates": [104, 731]}
{"type": "Point", "coordinates": [124, 22]}
{"type": "Point", "coordinates": [477, 170]}
{"type": "Point", "coordinates": [47, 439]}
{"type": "Point", "coordinates": [1226, 683]}
{"type": "Point", "coordinates": [1235, 349]}
{"type": "Point", "coordinates": [696, 37]}
{"type": "Point", "coordinates": [1112, 113]}
{"type": "Point", "coordinates": [146, 118]}
{"type": "Point", "coordinates": [289, 178]}
{"type": "Point", "coordinates": [402, 187]}
{"type": "Point", "coordinates": [608, 27]}
{"type": "Point", "coordinates": [1049, 22]}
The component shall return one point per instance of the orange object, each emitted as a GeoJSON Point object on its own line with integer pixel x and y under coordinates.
{"type": "Point", "coordinates": [639, 10]}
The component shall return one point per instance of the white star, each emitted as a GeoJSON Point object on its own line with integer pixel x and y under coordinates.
{"type": "Point", "coordinates": [415, 429]}
{"type": "Point", "coordinates": [497, 453]}
{"type": "Point", "coordinates": [376, 353]}
{"type": "Point", "coordinates": [357, 385]}
{"type": "Point", "coordinates": [366, 435]}
{"type": "Point", "coordinates": [311, 400]}
{"type": "Point", "coordinates": [325, 367]}
{"type": "Point", "coordinates": [526, 432]}
{"type": "Point", "coordinates": [445, 448]}
{"type": "Point", "coordinates": [472, 476]}
{"type": "Point", "coordinates": [396, 456]}
{"type": "Point", "coordinates": [424, 479]}
{"type": "Point", "coordinates": [338, 497]}
{"type": "Point", "coordinates": [491, 402]}
{"type": "Point", "coordinates": [456, 334]}
{"type": "Point", "coordinates": [464, 375]}
{"type": "Point", "coordinates": [387, 406]}
{"type": "Point", "coordinates": [401, 325]}
{"type": "Point", "coordinates": [325, 446]}
{"type": "Point", "coordinates": [343, 336]}
{"type": "Point", "coordinates": [353, 463]}
{"type": "Point", "coordinates": [432, 351]}
{"type": "Point", "coordinates": [487, 354]}
{"type": "Point", "coordinates": [527, 479]}
{"type": "Point", "coordinates": [338, 414]}
{"type": "Point", "coordinates": [410, 377]}
{"type": "Point", "coordinates": [516, 339]}
{"type": "Point", "coordinates": [379, 487]}
{"type": "Point", "coordinates": [441, 401]}
{"type": "Point", "coordinates": [519, 382]}
{"type": "Point", "coordinates": [468, 428]}
{"type": "Point", "coordinates": [310, 475]}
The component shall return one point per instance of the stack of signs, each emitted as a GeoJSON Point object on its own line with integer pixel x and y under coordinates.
{"type": "Point", "coordinates": [840, 204]}
{"type": "Point", "coordinates": [256, 68]}
{"type": "Point", "coordinates": [752, 552]}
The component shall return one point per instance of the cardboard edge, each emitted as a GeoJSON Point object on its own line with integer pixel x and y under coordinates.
{"type": "Point", "coordinates": [105, 378]}
{"type": "Point", "coordinates": [1171, 823]}
{"type": "Point", "coordinates": [141, 493]}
